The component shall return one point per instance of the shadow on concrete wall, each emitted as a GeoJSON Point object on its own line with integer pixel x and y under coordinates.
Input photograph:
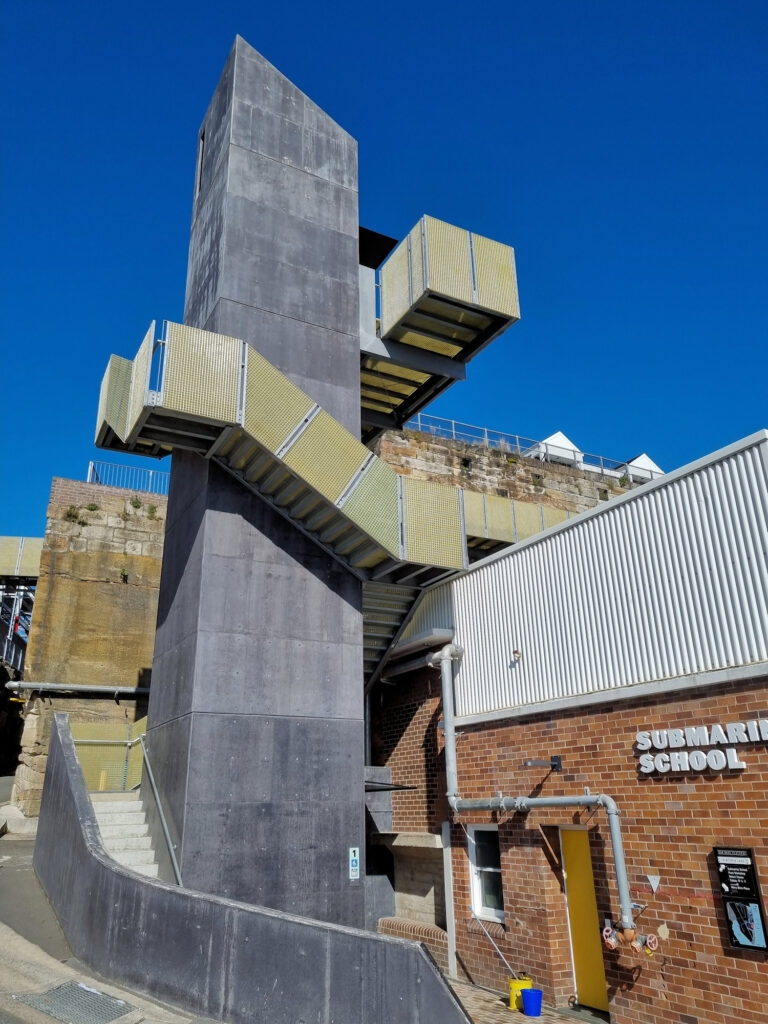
{"type": "Point", "coordinates": [214, 956]}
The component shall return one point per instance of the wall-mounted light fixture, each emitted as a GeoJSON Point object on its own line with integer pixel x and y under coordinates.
{"type": "Point", "coordinates": [555, 763]}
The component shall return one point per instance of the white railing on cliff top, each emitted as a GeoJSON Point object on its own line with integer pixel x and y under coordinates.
{"type": "Point", "coordinates": [129, 478]}
{"type": "Point", "coordinates": [515, 444]}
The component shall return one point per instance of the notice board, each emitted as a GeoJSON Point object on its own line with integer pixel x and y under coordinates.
{"type": "Point", "coordinates": [740, 890]}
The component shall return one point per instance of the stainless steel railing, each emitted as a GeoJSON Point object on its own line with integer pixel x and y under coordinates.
{"type": "Point", "coordinates": [122, 774]}
{"type": "Point", "coordinates": [129, 478]}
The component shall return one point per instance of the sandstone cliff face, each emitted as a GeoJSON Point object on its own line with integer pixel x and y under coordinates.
{"type": "Point", "coordinates": [95, 612]}
{"type": "Point", "coordinates": [491, 471]}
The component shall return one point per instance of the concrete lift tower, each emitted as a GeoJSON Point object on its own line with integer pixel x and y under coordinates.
{"type": "Point", "coordinates": [292, 553]}
{"type": "Point", "coordinates": [256, 718]}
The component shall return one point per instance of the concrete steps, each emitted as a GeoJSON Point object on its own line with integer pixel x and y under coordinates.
{"type": "Point", "coordinates": [124, 831]}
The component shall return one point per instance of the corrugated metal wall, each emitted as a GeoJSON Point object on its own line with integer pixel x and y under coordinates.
{"type": "Point", "coordinates": [669, 581]}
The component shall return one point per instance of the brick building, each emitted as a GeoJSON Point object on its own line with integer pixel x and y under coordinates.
{"type": "Point", "coordinates": [630, 643]}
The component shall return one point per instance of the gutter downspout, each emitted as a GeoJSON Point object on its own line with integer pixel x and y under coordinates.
{"type": "Point", "coordinates": [445, 658]}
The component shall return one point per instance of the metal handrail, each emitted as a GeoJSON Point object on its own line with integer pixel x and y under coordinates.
{"type": "Point", "coordinates": [128, 478]}
{"type": "Point", "coordinates": [528, 447]}
{"type": "Point", "coordinates": [128, 744]}
{"type": "Point", "coordinates": [163, 822]}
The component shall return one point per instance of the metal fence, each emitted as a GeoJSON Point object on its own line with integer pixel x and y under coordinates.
{"type": "Point", "coordinates": [517, 445]}
{"type": "Point", "coordinates": [13, 652]}
{"type": "Point", "coordinates": [129, 478]}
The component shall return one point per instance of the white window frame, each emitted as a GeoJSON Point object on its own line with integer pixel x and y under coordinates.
{"type": "Point", "coordinates": [484, 913]}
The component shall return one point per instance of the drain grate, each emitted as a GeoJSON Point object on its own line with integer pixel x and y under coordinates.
{"type": "Point", "coordinates": [76, 1004]}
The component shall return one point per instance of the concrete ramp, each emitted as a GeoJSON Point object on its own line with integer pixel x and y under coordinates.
{"type": "Point", "coordinates": [213, 956]}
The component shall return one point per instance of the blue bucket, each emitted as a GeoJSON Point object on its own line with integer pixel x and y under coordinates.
{"type": "Point", "coordinates": [532, 1001]}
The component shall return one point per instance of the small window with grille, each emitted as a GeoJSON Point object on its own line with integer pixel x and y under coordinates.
{"type": "Point", "coordinates": [485, 868]}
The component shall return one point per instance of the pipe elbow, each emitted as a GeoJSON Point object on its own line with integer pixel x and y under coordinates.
{"type": "Point", "coordinates": [451, 652]}
{"type": "Point", "coordinates": [608, 804]}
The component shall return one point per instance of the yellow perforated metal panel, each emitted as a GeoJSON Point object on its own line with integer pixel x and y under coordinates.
{"type": "Point", "coordinates": [386, 399]}
{"type": "Point", "coordinates": [418, 283]}
{"type": "Point", "coordinates": [456, 333]}
{"type": "Point", "coordinates": [528, 519]}
{"type": "Point", "coordinates": [113, 766]}
{"type": "Point", "coordinates": [394, 390]}
{"type": "Point", "coordinates": [202, 374]}
{"type": "Point", "coordinates": [501, 525]}
{"type": "Point", "coordinates": [394, 370]}
{"type": "Point", "coordinates": [553, 516]}
{"type": "Point", "coordinates": [472, 318]}
{"type": "Point", "coordinates": [9, 555]}
{"type": "Point", "coordinates": [449, 271]}
{"type": "Point", "coordinates": [443, 348]}
{"type": "Point", "coordinates": [372, 506]}
{"type": "Point", "coordinates": [140, 380]}
{"type": "Point", "coordinates": [433, 528]}
{"type": "Point", "coordinates": [395, 288]}
{"type": "Point", "coordinates": [372, 560]}
{"type": "Point", "coordinates": [30, 556]}
{"type": "Point", "coordinates": [101, 415]}
{"type": "Point", "coordinates": [327, 456]}
{"type": "Point", "coordinates": [274, 405]}
{"type": "Point", "coordinates": [118, 394]}
{"type": "Point", "coordinates": [474, 516]}
{"type": "Point", "coordinates": [496, 278]}
{"type": "Point", "coordinates": [370, 403]}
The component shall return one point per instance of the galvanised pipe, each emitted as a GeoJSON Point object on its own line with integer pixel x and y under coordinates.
{"type": "Point", "coordinates": [522, 804]}
{"type": "Point", "coordinates": [74, 688]}
{"type": "Point", "coordinates": [445, 658]}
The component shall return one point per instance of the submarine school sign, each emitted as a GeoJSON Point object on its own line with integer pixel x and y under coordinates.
{"type": "Point", "coordinates": [680, 750]}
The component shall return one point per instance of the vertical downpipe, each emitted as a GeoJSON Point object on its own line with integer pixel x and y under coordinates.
{"type": "Point", "coordinates": [450, 919]}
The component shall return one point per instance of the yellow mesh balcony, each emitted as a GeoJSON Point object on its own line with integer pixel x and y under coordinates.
{"type": "Point", "coordinates": [445, 294]}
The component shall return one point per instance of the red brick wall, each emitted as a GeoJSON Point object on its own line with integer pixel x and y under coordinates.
{"type": "Point", "coordinates": [434, 938]}
{"type": "Point", "coordinates": [405, 736]}
{"type": "Point", "coordinates": [669, 823]}
{"type": "Point", "coordinates": [76, 492]}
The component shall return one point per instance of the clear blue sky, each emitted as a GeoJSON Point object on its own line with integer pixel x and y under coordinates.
{"type": "Point", "coordinates": [622, 148]}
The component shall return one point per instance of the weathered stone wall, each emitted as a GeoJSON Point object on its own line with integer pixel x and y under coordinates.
{"type": "Point", "coordinates": [492, 471]}
{"type": "Point", "coordinates": [95, 610]}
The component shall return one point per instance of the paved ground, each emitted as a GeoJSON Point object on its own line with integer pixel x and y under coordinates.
{"type": "Point", "coordinates": [36, 961]}
{"type": "Point", "coordinates": [489, 1008]}
{"type": "Point", "coordinates": [23, 904]}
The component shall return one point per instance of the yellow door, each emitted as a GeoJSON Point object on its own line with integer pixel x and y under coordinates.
{"type": "Point", "coordinates": [584, 924]}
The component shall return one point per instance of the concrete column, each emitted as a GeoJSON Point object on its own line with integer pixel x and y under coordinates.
{"type": "Point", "coordinates": [256, 711]}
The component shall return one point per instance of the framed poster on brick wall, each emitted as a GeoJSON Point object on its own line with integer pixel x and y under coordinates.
{"type": "Point", "coordinates": [740, 890]}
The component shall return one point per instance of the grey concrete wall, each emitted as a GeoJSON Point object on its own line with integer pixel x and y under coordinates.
{"type": "Point", "coordinates": [273, 254]}
{"type": "Point", "coordinates": [213, 956]}
{"type": "Point", "coordinates": [256, 715]}
{"type": "Point", "coordinates": [256, 725]}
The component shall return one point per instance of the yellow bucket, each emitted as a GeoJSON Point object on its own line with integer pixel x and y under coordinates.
{"type": "Point", "coordinates": [516, 985]}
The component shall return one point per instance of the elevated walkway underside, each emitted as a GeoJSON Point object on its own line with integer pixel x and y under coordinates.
{"type": "Point", "coordinates": [445, 294]}
{"type": "Point", "coordinates": [218, 397]}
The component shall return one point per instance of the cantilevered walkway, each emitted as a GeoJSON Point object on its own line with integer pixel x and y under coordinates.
{"type": "Point", "coordinates": [444, 294]}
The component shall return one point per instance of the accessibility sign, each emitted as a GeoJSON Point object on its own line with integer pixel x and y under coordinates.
{"type": "Point", "coordinates": [354, 862]}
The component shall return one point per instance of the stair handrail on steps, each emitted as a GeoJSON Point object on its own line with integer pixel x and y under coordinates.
{"type": "Point", "coordinates": [128, 744]}
{"type": "Point", "coordinates": [158, 802]}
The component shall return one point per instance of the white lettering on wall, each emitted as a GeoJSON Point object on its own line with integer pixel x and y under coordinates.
{"type": "Point", "coordinates": [679, 741]}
